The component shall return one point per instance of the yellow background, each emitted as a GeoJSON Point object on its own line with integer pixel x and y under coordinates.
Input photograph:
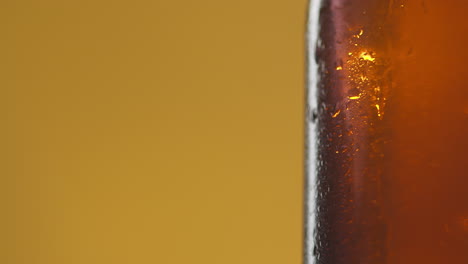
{"type": "Point", "coordinates": [151, 131]}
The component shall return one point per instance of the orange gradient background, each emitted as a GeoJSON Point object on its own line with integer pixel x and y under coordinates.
{"type": "Point", "coordinates": [151, 131]}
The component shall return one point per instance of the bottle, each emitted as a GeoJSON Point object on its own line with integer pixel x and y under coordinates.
{"type": "Point", "coordinates": [386, 132]}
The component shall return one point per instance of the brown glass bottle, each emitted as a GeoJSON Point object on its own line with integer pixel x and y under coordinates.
{"type": "Point", "coordinates": [387, 132]}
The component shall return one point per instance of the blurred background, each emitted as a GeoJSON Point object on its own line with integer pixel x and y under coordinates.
{"type": "Point", "coordinates": [151, 131]}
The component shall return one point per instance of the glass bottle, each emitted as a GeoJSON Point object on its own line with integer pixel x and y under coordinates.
{"type": "Point", "coordinates": [386, 132]}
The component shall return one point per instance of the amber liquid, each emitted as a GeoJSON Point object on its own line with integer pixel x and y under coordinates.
{"type": "Point", "coordinates": [391, 119]}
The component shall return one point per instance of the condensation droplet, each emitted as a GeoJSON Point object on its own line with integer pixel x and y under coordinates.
{"type": "Point", "coordinates": [336, 113]}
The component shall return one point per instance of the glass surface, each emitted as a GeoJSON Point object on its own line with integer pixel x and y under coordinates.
{"type": "Point", "coordinates": [386, 132]}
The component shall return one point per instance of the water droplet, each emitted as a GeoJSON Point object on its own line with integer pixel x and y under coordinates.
{"type": "Point", "coordinates": [366, 56]}
{"type": "Point", "coordinates": [336, 113]}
